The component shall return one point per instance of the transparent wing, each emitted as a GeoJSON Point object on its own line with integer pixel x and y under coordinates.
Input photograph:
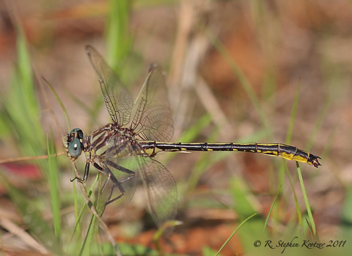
{"type": "Point", "coordinates": [128, 164]}
{"type": "Point", "coordinates": [161, 190]}
{"type": "Point", "coordinates": [117, 99]}
{"type": "Point", "coordinates": [110, 192]}
{"type": "Point", "coordinates": [152, 118]}
{"type": "Point", "coordinates": [102, 195]}
{"type": "Point", "coordinates": [121, 164]}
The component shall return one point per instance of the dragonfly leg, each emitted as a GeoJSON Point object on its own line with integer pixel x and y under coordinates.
{"type": "Point", "coordinates": [117, 184]}
{"type": "Point", "coordinates": [85, 176]}
{"type": "Point", "coordinates": [115, 181]}
{"type": "Point", "coordinates": [122, 190]}
{"type": "Point", "coordinates": [122, 169]}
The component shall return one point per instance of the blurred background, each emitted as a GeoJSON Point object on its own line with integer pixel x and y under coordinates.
{"type": "Point", "coordinates": [236, 71]}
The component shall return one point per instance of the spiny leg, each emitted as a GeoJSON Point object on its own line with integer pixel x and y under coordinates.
{"type": "Point", "coordinates": [86, 172]}
{"type": "Point", "coordinates": [122, 169]}
{"type": "Point", "coordinates": [116, 183]}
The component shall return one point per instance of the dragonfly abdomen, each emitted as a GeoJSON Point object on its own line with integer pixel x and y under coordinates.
{"type": "Point", "coordinates": [274, 149]}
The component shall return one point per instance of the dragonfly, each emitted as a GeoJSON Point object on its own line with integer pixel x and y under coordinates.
{"type": "Point", "coordinates": [124, 149]}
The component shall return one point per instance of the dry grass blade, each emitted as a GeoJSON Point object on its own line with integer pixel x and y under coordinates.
{"type": "Point", "coordinates": [28, 158]}
{"type": "Point", "coordinates": [94, 211]}
{"type": "Point", "coordinates": [25, 237]}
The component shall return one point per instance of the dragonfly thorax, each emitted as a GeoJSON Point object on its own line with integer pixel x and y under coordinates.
{"type": "Point", "coordinates": [110, 139]}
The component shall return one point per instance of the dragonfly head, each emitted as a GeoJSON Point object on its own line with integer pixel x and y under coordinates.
{"type": "Point", "coordinates": [73, 143]}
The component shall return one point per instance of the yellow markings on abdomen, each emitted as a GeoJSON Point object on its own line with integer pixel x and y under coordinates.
{"type": "Point", "coordinates": [285, 151]}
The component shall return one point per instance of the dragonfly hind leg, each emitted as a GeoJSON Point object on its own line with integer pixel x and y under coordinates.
{"type": "Point", "coordinates": [117, 184]}
{"type": "Point", "coordinates": [122, 169]}
{"type": "Point", "coordinates": [115, 181]}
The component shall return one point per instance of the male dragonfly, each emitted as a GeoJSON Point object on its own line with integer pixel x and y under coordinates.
{"type": "Point", "coordinates": [125, 148]}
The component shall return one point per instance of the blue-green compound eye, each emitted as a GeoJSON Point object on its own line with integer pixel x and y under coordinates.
{"type": "Point", "coordinates": [75, 142]}
{"type": "Point", "coordinates": [79, 133]}
{"type": "Point", "coordinates": [75, 147]}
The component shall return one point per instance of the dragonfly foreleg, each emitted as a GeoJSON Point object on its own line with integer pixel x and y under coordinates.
{"type": "Point", "coordinates": [85, 176]}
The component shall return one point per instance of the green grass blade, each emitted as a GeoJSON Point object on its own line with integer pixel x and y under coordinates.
{"type": "Point", "coordinates": [271, 209]}
{"type": "Point", "coordinates": [60, 103]}
{"type": "Point", "coordinates": [89, 238]}
{"type": "Point", "coordinates": [191, 133]}
{"type": "Point", "coordinates": [309, 211]}
{"type": "Point", "coordinates": [21, 105]}
{"type": "Point", "coordinates": [245, 206]}
{"type": "Point", "coordinates": [234, 232]}
{"type": "Point", "coordinates": [77, 206]}
{"type": "Point", "coordinates": [201, 165]}
{"type": "Point", "coordinates": [117, 35]}
{"type": "Point", "coordinates": [207, 251]}
{"type": "Point", "coordinates": [317, 125]}
{"type": "Point", "coordinates": [53, 177]}
{"type": "Point", "coordinates": [293, 115]}
{"type": "Point", "coordinates": [346, 216]}
{"type": "Point", "coordinates": [32, 218]}
{"type": "Point", "coordinates": [299, 214]}
{"type": "Point", "coordinates": [289, 133]}
{"type": "Point", "coordinates": [242, 78]}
